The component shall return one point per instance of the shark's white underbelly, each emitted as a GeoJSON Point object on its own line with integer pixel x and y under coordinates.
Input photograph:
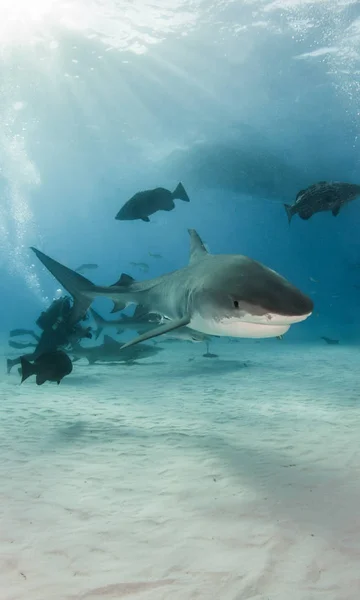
{"type": "Point", "coordinates": [237, 328]}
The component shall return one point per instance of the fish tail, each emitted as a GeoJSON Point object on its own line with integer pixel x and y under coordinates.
{"type": "Point", "coordinates": [289, 212]}
{"type": "Point", "coordinates": [27, 369]}
{"type": "Point", "coordinates": [180, 193]}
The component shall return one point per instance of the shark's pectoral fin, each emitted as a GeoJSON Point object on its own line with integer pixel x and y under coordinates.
{"type": "Point", "coordinates": [168, 326]}
{"type": "Point", "coordinates": [335, 211]}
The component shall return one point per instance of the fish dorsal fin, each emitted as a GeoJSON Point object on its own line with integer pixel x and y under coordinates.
{"type": "Point", "coordinates": [124, 281]}
{"type": "Point", "coordinates": [109, 341]}
{"type": "Point", "coordinates": [197, 247]}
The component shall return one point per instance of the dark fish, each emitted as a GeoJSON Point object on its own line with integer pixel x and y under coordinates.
{"type": "Point", "coordinates": [322, 196]}
{"type": "Point", "coordinates": [149, 202]}
{"type": "Point", "coordinates": [86, 267]}
{"type": "Point", "coordinates": [141, 265]}
{"type": "Point", "coordinates": [50, 366]}
{"type": "Point", "coordinates": [209, 354]}
{"type": "Point", "coordinates": [329, 340]}
{"type": "Point", "coordinates": [155, 255]}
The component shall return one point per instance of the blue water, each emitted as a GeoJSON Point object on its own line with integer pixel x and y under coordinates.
{"type": "Point", "coordinates": [245, 103]}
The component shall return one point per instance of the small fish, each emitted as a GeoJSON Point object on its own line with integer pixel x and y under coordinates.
{"type": "Point", "coordinates": [313, 280]}
{"type": "Point", "coordinates": [140, 265]}
{"type": "Point", "coordinates": [322, 196]}
{"type": "Point", "coordinates": [209, 354]}
{"type": "Point", "coordinates": [146, 203]}
{"type": "Point", "coordinates": [329, 340]}
{"type": "Point", "coordinates": [155, 255]}
{"type": "Point", "coordinates": [87, 267]}
{"type": "Point", "coordinates": [50, 366]}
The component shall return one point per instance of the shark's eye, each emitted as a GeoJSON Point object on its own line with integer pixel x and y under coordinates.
{"type": "Point", "coordinates": [236, 304]}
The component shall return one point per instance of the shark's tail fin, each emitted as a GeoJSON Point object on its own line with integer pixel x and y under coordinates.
{"type": "Point", "coordinates": [78, 286]}
{"type": "Point", "coordinates": [180, 193]}
{"type": "Point", "coordinates": [289, 212]}
{"type": "Point", "coordinates": [100, 322]}
{"type": "Point", "coordinates": [27, 369]}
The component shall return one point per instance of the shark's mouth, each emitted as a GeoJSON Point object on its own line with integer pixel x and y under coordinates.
{"type": "Point", "coordinates": [249, 326]}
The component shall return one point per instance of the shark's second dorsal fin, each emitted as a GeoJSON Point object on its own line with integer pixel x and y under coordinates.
{"type": "Point", "coordinates": [109, 341]}
{"type": "Point", "coordinates": [124, 281]}
{"type": "Point", "coordinates": [197, 247]}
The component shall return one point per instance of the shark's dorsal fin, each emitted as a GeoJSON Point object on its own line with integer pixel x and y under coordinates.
{"type": "Point", "coordinates": [109, 341]}
{"type": "Point", "coordinates": [98, 318]}
{"type": "Point", "coordinates": [197, 247]}
{"type": "Point", "coordinates": [124, 281]}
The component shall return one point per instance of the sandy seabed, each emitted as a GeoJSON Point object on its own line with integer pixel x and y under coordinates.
{"type": "Point", "coordinates": [235, 478]}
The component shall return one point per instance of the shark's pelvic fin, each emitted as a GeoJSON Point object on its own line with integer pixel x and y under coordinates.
{"type": "Point", "coordinates": [197, 247]}
{"type": "Point", "coordinates": [170, 326]}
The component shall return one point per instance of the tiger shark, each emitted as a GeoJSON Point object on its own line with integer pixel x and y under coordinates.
{"type": "Point", "coordinates": [224, 294]}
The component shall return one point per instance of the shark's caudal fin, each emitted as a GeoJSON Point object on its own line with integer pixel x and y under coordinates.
{"type": "Point", "coordinates": [77, 285]}
{"type": "Point", "coordinates": [180, 193]}
{"type": "Point", "coordinates": [197, 247]}
{"type": "Point", "coordinates": [27, 369]}
{"type": "Point", "coordinates": [170, 326]}
{"type": "Point", "coordinates": [99, 321]}
{"type": "Point", "coordinates": [289, 212]}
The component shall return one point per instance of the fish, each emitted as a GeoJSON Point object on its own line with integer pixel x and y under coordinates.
{"type": "Point", "coordinates": [146, 203]}
{"type": "Point", "coordinates": [209, 354]}
{"type": "Point", "coordinates": [140, 265]}
{"type": "Point", "coordinates": [322, 196]}
{"type": "Point", "coordinates": [86, 267]}
{"type": "Point", "coordinates": [224, 294]}
{"type": "Point", "coordinates": [50, 366]}
{"type": "Point", "coordinates": [329, 340]}
{"type": "Point", "coordinates": [111, 351]}
{"type": "Point", "coordinates": [155, 255]}
{"type": "Point", "coordinates": [142, 321]}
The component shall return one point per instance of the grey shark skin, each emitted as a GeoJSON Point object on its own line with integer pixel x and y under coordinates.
{"type": "Point", "coordinates": [141, 322]}
{"type": "Point", "coordinates": [225, 295]}
{"type": "Point", "coordinates": [111, 351]}
{"type": "Point", "coordinates": [322, 196]}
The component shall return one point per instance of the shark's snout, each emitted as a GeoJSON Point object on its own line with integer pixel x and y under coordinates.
{"type": "Point", "coordinates": [292, 303]}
